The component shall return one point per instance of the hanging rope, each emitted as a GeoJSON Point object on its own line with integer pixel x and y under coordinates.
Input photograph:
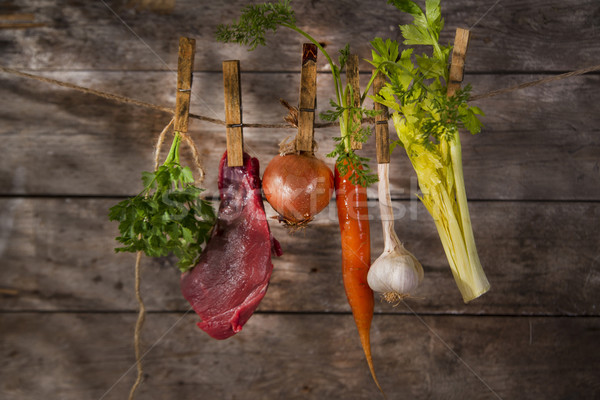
{"type": "Point", "coordinates": [138, 327]}
{"type": "Point", "coordinates": [142, 309]}
{"type": "Point", "coordinates": [122, 99]}
{"type": "Point", "coordinates": [127, 100]}
{"type": "Point", "coordinates": [195, 155]}
{"type": "Point", "coordinates": [159, 143]}
{"type": "Point", "coordinates": [535, 83]}
{"type": "Point", "coordinates": [188, 140]}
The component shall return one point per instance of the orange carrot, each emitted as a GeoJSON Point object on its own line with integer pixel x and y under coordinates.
{"type": "Point", "coordinates": [356, 257]}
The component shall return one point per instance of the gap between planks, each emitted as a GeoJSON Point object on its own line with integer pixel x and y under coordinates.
{"type": "Point", "coordinates": [33, 196]}
{"type": "Point", "coordinates": [307, 313]}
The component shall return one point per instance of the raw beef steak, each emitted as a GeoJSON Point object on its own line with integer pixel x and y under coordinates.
{"type": "Point", "coordinates": [233, 271]}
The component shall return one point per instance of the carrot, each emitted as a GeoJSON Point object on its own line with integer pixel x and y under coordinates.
{"type": "Point", "coordinates": [353, 217]}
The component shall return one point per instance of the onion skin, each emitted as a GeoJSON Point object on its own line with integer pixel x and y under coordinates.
{"type": "Point", "coordinates": [297, 186]}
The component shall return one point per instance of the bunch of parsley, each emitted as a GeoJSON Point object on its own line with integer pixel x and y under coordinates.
{"type": "Point", "coordinates": [427, 122]}
{"type": "Point", "coordinates": [167, 216]}
{"type": "Point", "coordinates": [250, 29]}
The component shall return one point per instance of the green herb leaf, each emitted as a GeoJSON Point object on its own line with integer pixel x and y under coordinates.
{"type": "Point", "coordinates": [407, 6]}
{"type": "Point", "coordinates": [468, 116]}
{"type": "Point", "coordinates": [256, 20]}
{"type": "Point", "coordinates": [427, 123]}
{"type": "Point", "coordinates": [343, 58]}
{"type": "Point", "coordinates": [431, 67]}
{"type": "Point", "coordinates": [168, 216]}
{"type": "Point", "coordinates": [361, 171]}
{"type": "Point", "coordinates": [334, 114]}
{"type": "Point", "coordinates": [384, 51]}
{"type": "Point", "coordinates": [435, 22]}
{"type": "Point", "coordinates": [250, 29]}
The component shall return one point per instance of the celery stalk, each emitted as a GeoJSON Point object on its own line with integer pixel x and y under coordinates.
{"type": "Point", "coordinates": [476, 281]}
{"type": "Point", "coordinates": [439, 170]}
{"type": "Point", "coordinates": [427, 122]}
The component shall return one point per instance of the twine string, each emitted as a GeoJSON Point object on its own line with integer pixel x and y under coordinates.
{"type": "Point", "coordinates": [159, 143]}
{"type": "Point", "coordinates": [138, 327]}
{"type": "Point", "coordinates": [161, 138]}
{"type": "Point", "coordinates": [142, 309]}
{"type": "Point", "coordinates": [195, 155]}
{"type": "Point", "coordinates": [127, 100]}
{"type": "Point", "coordinates": [188, 140]}
{"type": "Point", "coordinates": [535, 83]}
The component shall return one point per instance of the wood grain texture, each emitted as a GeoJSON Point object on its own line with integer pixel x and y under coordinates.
{"type": "Point", "coordinates": [536, 144]}
{"type": "Point", "coordinates": [79, 355]}
{"type": "Point", "coordinates": [353, 79]}
{"type": "Point", "coordinates": [232, 97]}
{"type": "Point", "coordinates": [382, 129]}
{"type": "Point", "coordinates": [539, 35]}
{"type": "Point", "coordinates": [457, 64]}
{"type": "Point", "coordinates": [307, 104]}
{"type": "Point", "coordinates": [67, 307]}
{"type": "Point", "coordinates": [185, 66]}
{"type": "Point", "coordinates": [541, 259]}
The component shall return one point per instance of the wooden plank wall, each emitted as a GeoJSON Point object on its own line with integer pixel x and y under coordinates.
{"type": "Point", "coordinates": [67, 308]}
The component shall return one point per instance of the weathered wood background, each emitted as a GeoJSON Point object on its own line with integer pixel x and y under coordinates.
{"type": "Point", "coordinates": [67, 306]}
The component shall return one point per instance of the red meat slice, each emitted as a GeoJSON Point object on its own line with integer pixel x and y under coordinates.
{"type": "Point", "coordinates": [233, 271]}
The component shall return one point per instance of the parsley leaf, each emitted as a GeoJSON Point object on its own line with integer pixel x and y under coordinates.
{"type": "Point", "coordinates": [168, 216]}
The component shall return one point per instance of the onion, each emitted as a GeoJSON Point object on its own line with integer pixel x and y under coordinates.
{"type": "Point", "coordinates": [298, 187]}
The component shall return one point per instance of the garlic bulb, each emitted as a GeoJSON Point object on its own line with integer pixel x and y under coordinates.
{"type": "Point", "coordinates": [396, 272]}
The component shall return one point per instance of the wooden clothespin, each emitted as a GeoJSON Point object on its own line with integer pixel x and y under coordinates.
{"type": "Point", "coordinates": [382, 133]}
{"type": "Point", "coordinates": [185, 66]}
{"type": "Point", "coordinates": [353, 78]}
{"type": "Point", "coordinates": [308, 98]}
{"type": "Point", "coordinates": [233, 113]}
{"type": "Point", "coordinates": [457, 65]}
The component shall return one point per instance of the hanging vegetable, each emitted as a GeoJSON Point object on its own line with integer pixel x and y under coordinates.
{"type": "Point", "coordinates": [297, 184]}
{"type": "Point", "coordinates": [250, 29]}
{"type": "Point", "coordinates": [352, 172]}
{"type": "Point", "coordinates": [167, 216]}
{"type": "Point", "coordinates": [427, 123]}
{"type": "Point", "coordinates": [396, 272]}
{"type": "Point", "coordinates": [351, 200]}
